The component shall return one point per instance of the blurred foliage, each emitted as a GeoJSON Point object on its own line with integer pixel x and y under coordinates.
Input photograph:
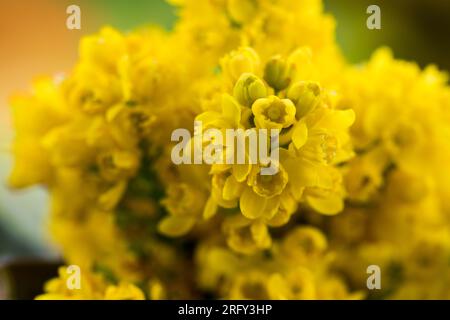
{"type": "Point", "coordinates": [415, 29]}
{"type": "Point", "coordinates": [127, 15]}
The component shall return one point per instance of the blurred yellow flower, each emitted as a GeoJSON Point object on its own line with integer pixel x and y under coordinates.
{"type": "Point", "coordinates": [370, 142]}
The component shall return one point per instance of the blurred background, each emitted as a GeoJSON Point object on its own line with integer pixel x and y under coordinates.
{"type": "Point", "coordinates": [34, 40]}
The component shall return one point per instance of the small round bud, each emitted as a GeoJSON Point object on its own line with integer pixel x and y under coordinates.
{"type": "Point", "coordinates": [276, 73]}
{"type": "Point", "coordinates": [248, 89]}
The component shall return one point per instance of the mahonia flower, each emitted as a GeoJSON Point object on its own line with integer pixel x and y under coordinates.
{"type": "Point", "coordinates": [398, 180]}
{"type": "Point", "coordinates": [296, 267]}
{"type": "Point", "coordinates": [314, 138]}
{"type": "Point", "coordinates": [141, 227]}
{"type": "Point", "coordinates": [214, 28]}
{"type": "Point", "coordinates": [414, 138]}
{"type": "Point", "coordinates": [96, 139]}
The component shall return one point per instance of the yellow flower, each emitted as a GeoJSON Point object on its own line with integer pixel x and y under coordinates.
{"type": "Point", "coordinates": [97, 139]}
{"type": "Point", "coordinates": [370, 142]}
{"type": "Point", "coordinates": [297, 285]}
{"type": "Point", "coordinates": [251, 286]}
{"type": "Point", "coordinates": [298, 268]}
{"type": "Point", "coordinates": [273, 113]}
{"type": "Point", "coordinates": [310, 146]}
{"type": "Point", "coordinates": [124, 291]}
{"type": "Point", "coordinates": [276, 73]}
{"type": "Point", "coordinates": [214, 28]}
{"type": "Point", "coordinates": [34, 117]}
{"type": "Point", "coordinates": [305, 95]}
{"type": "Point", "coordinates": [268, 186]}
{"type": "Point", "coordinates": [304, 244]}
{"type": "Point", "coordinates": [248, 89]}
{"type": "Point", "coordinates": [246, 235]}
{"type": "Point", "coordinates": [396, 178]}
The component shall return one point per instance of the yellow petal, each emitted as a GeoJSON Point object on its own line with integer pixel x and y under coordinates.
{"type": "Point", "coordinates": [252, 205]}
{"type": "Point", "coordinates": [260, 234]}
{"type": "Point", "coordinates": [304, 173]}
{"type": "Point", "coordinates": [300, 134]}
{"type": "Point", "coordinates": [280, 218]}
{"type": "Point", "coordinates": [300, 63]}
{"type": "Point", "coordinates": [330, 205]}
{"type": "Point", "coordinates": [110, 198]}
{"type": "Point", "coordinates": [272, 206]}
{"type": "Point", "coordinates": [241, 171]}
{"type": "Point", "coordinates": [113, 112]}
{"type": "Point", "coordinates": [288, 202]}
{"type": "Point", "coordinates": [176, 226]}
{"type": "Point", "coordinates": [126, 160]}
{"type": "Point", "coordinates": [210, 208]}
{"type": "Point", "coordinates": [219, 167]}
{"type": "Point", "coordinates": [231, 189]}
{"type": "Point", "coordinates": [231, 110]}
{"type": "Point", "coordinates": [338, 119]}
{"type": "Point", "coordinates": [212, 119]}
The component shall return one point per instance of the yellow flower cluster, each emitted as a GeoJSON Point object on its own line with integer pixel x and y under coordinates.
{"type": "Point", "coordinates": [212, 28]}
{"type": "Point", "coordinates": [98, 140]}
{"type": "Point", "coordinates": [397, 215]}
{"type": "Point", "coordinates": [296, 267]}
{"type": "Point", "coordinates": [362, 176]}
{"type": "Point", "coordinates": [276, 94]}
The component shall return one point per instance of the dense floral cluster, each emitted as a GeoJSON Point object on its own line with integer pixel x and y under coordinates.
{"type": "Point", "coordinates": [397, 215]}
{"type": "Point", "coordinates": [362, 177]}
{"type": "Point", "coordinates": [298, 266]}
{"type": "Point", "coordinates": [277, 94]}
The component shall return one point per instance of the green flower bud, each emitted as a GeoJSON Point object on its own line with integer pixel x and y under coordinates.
{"type": "Point", "coordinates": [248, 89]}
{"type": "Point", "coordinates": [305, 95]}
{"type": "Point", "coordinates": [276, 73]}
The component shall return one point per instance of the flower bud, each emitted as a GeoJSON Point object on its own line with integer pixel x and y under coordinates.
{"type": "Point", "coordinates": [306, 97]}
{"type": "Point", "coordinates": [236, 63]}
{"type": "Point", "coordinates": [248, 89]}
{"type": "Point", "coordinates": [276, 73]}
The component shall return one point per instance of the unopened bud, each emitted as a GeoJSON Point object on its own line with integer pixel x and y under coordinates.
{"type": "Point", "coordinates": [248, 89]}
{"type": "Point", "coordinates": [240, 61]}
{"type": "Point", "coordinates": [276, 73]}
{"type": "Point", "coordinates": [306, 97]}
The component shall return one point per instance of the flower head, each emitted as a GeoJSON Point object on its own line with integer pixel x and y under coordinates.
{"type": "Point", "coordinates": [273, 113]}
